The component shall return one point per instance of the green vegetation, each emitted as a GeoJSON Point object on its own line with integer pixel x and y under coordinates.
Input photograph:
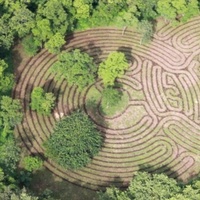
{"type": "Point", "coordinates": [113, 67]}
{"type": "Point", "coordinates": [42, 102]}
{"type": "Point", "coordinates": [74, 142]}
{"type": "Point", "coordinates": [32, 163]}
{"type": "Point", "coordinates": [10, 115]}
{"type": "Point", "coordinates": [54, 43]}
{"type": "Point", "coordinates": [41, 23]}
{"type": "Point", "coordinates": [110, 97]}
{"type": "Point", "coordinates": [113, 101]}
{"type": "Point", "coordinates": [146, 29]}
{"type": "Point", "coordinates": [30, 45]}
{"type": "Point", "coordinates": [153, 186]}
{"type": "Point", "coordinates": [76, 67]}
{"type": "Point", "coordinates": [6, 78]}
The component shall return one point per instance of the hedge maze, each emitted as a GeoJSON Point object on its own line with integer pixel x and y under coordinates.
{"type": "Point", "coordinates": [159, 128]}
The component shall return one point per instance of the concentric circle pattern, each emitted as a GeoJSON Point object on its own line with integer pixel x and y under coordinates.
{"type": "Point", "coordinates": [158, 129]}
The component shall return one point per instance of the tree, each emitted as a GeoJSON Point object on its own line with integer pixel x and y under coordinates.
{"type": "Point", "coordinates": [74, 142]}
{"type": "Point", "coordinates": [6, 79]}
{"type": "Point", "coordinates": [10, 115]}
{"type": "Point", "coordinates": [144, 186]}
{"type": "Point", "coordinates": [6, 32]}
{"type": "Point", "coordinates": [146, 29]}
{"type": "Point", "coordinates": [177, 10]}
{"type": "Point", "coordinates": [54, 44]}
{"type": "Point", "coordinates": [156, 186]}
{"type": "Point", "coordinates": [22, 21]}
{"type": "Point", "coordinates": [42, 102]}
{"type": "Point", "coordinates": [32, 163]}
{"type": "Point", "coordinates": [42, 30]}
{"type": "Point", "coordinates": [9, 156]}
{"type": "Point", "coordinates": [110, 97]}
{"type": "Point", "coordinates": [113, 67]}
{"type": "Point", "coordinates": [76, 67]}
{"type": "Point", "coordinates": [30, 45]}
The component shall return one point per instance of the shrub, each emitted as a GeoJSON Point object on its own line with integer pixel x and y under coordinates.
{"type": "Point", "coordinates": [74, 142]}
{"type": "Point", "coordinates": [42, 102]}
{"type": "Point", "coordinates": [32, 163]}
{"type": "Point", "coordinates": [30, 45]}
{"type": "Point", "coordinates": [110, 97]}
{"type": "Point", "coordinates": [113, 67]}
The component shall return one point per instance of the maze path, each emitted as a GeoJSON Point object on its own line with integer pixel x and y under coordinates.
{"type": "Point", "coordinates": [158, 130]}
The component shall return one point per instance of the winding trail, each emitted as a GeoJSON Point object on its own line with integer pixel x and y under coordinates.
{"type": "Point", "coordinates": [159, 130]}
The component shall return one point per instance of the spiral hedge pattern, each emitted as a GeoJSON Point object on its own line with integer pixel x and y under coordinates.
{"type": "Point", "coordinates": [158, 130]}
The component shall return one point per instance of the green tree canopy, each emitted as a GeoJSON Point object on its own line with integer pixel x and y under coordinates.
{"type": "Point", "coordinates": [177, 10]}
{"type": "Point", "coordinates": [54, 44]}
{"type": "Point", "coordinates": [76, 67]}
{"type": "Point", "coordinates": [113, 67]}
{"type": "Point", "coordinates": [22, 21]}
{"type": "Point", "coordinates": [6, 78]}
{"type": "Point", "coordinates": [32, 163]}
{"type": "Point", "coordinates": [146, 29]}
{"type": "Point", "coordinates": [10, 115]}
{"type": "Point", "coordinates": [144, 186]}
{"type": "Point", "coordinates": [74, 142]}
{"type": "Point", "coordinates": [42, 102]}
{"type": "Point", "coordinates": [110, 97]}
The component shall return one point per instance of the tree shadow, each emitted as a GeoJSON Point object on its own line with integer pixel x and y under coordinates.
{"type": "Point", "coordinates": [50, 86]}
{"type": "Point", "coordinates": [127, 51]}
{"type": "Point", "coordinates": [44, 179]}
{"type": "Point", "coordinates": [94, 51]}
{"type": "Point", "coordinates": [158, 170]}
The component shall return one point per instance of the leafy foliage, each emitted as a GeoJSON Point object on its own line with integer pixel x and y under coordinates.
{"type": "Point", "coordinates": [42, 102]}
{"type": "Point", "coordinates": [6, 79]}
{"type": "Point", "coordinates": [74, 142]}
{"type": "Point", "coordinates": [9, 156]}
{"type": "Point", "coordinates": [177, 10]}
{"type": "Point", "coordinates": [154, 186]}
{"type": "Point", "coordinates": [10, 115]}
{"type": "Point", "coordinates": [110, 97]}
{"type": "Point", "coordinates": [76, 67]}
{"type": "Point", "coordinates": [6, 32]}
{"type": "Point", "coordinates": [146, 29]}
{"type": "Point", "coordinates": [113, 67]}
{"type": "Point", "coordinates": [54, 44]}
{"type": "Point", "coordinates": [30, 45]}
{"type": "Point", "coordinates": [22, 21]}
{"type": "Point", "coordinates": [144, 186]}
{"type": "Point", "coordinates": [32, 163]}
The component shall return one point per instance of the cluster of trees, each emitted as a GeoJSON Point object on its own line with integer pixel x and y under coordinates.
{"type": "Point", "coordinates": [74, 142]}
{"type": "Point", "coordinates": [146, 186]}
{"type": "Point", "coordinates": [45, 23]}
{"type": "Point", "coordinates": [76, 67]}
{"type": "Point", "coordinates": [79, 68]}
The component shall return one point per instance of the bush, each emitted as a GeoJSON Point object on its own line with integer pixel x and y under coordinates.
{"type": "Point", "coordinates": [74, 142]}
{"type": "Point", "coordinates": [110, 97]}
{"type": "Point", "coordinates": [146, 29]}
{"type": "Point", "coordinates": [30, 45]}
{"type": "Point", "coordinates": [42, 102]}
{"type": "Point", "coordinates": [113, 67]}
{"type": "Point", "coordinates": [32, 163]}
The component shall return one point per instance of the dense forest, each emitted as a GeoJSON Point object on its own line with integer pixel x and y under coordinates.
{"type": "Point", "coordinates": [38, 24]}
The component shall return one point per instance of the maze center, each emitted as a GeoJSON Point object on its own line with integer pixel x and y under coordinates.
{"type": "Point", "coordinates": [158, 126]}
